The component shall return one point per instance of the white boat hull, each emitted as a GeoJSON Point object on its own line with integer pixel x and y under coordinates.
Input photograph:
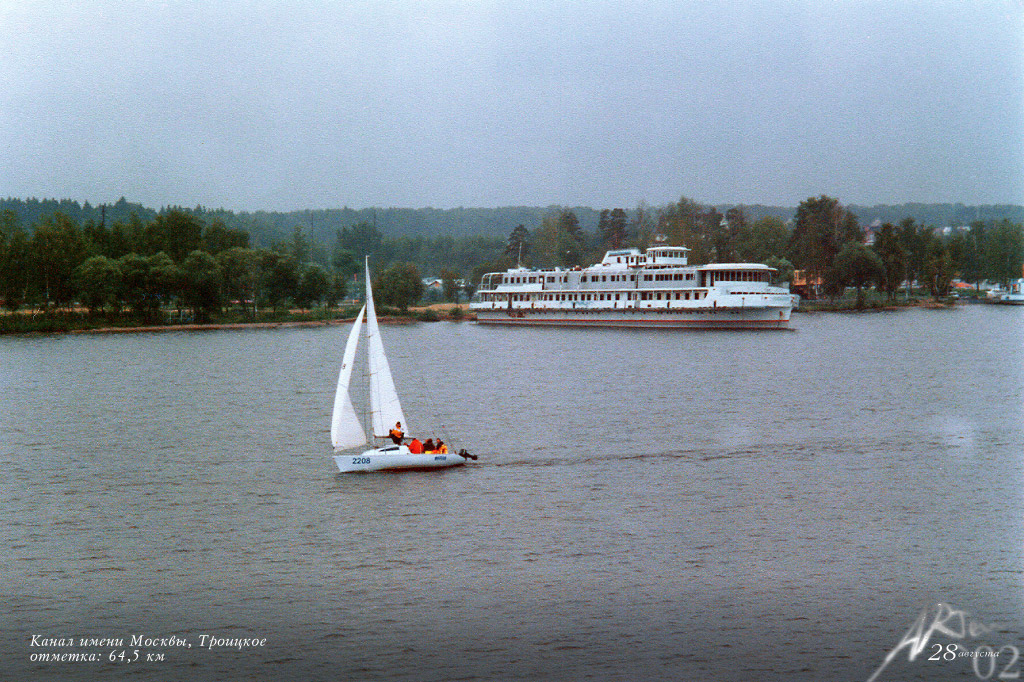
{"type": "Point", "coordinates": [672, 318]}
{"type": "Point", "coordinates": [395, 457]}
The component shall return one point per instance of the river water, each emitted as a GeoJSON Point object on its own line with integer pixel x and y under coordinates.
{"type": "Point", "coordinates": [648, 505]}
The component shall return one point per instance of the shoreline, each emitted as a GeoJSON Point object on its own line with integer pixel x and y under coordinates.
{"type": "Point", "coordinates": [412, 319]}
{"type": "Point", "coordinates": [221, 326]}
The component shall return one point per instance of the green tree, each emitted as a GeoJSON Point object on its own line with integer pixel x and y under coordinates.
{"type": "Point", "coordinates": [15, 269]}
{"type": "Point", "coordinates": [938, 268]}
{"type": "Point", "coordinates": [400, 285]}
{"type": "Point", "coordinates": [914, 239]}
{"type": "Point", "coordinates": [517, 248]}
{"type": "Point", "coordinates": [201, 285]}
{"type": "Point", "coordinates": [784, 269]}
{"type": "Point", "coordinates": [821, 228]}
{"type": "Point", "coordinates": [858, 266]}
{"type": "Point", "coordinates": [893, 257]}
{"type": "Point", "coordinates": [361, 240]}
{"type": "Point", "coordinates": [177, 233]}
{"type": "Point", "coordinates": [240, 268]}
{"type": "Point", "coordinates": [9, 224]}
{"type": "Point", "coordinates": [344, 262]}
{"type": "Point", "coordinates": [148, 283]}
{"type": "Point", "coordinates": [218, 238]}
{"type": "Point", "coordinates": [119, 242]}
{"type": "Point", "coordinates": [300, 246]}
{"type": "Point", "coordinates": [97, 237]}
{"type": "Point", "coordinates": [762, 239]}
{"type": "Point", "coordinates": [715, 231]}
{"type": "Point", "coordinates": [280, 278]}
{"type": "Point", "coordinates": [97, 280]}
{"type": "Point", "coordinates": [569, 225]}
{"type": "Point", "coordinates": [736, 224]}
{"type": "Point", "coordinates": [134, 286]}
{"type": "Point", "coordinates": [337, 289]}
{"type": "Point", "coordinates": [449, 285]}
{"type": "Point", "coordinates": [680, 225]}
{"type": "Point", "coordinates": [1004, 252]}
{"type": "Point", "coordinates": [314, 284]}
{"type": "Point", "coordinates": [553, 246]}
{"type": "Point", "coordinates": [58, 247]}
{"type": "Point", "coordinates": [165, 280]}
{"type": "Point", "coordinates": [613, 228]}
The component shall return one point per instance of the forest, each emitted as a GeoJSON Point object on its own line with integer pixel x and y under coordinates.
{"type": "Point", "coordinates": [125, 262]}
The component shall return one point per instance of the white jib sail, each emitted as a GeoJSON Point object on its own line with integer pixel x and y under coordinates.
{"type": "Point", "coordinates": [346, 431]}
{"type": "Point", "coordinates": [385, 407]}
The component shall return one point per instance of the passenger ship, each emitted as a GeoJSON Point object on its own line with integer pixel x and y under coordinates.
{"type": "Point", "coordinates": [633, 289]}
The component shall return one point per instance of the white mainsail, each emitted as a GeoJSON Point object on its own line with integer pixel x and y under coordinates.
{"type": "Point", "coordinates": [346, 431]}
{"type": "Point", "coordinates": [385, 407]}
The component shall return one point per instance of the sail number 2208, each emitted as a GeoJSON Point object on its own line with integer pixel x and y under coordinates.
{"type": "Point", "coordinates": [360, 460]}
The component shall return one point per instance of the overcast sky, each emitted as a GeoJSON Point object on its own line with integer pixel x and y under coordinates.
{"type": "Point", "coordinates": [289, 105]}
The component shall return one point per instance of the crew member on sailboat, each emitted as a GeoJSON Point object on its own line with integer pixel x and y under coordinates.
{"type": "Point", "coordinates": [397, 434]}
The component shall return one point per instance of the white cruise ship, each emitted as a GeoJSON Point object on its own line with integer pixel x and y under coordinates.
{"type": "Point", "coordinates": [633, 289]}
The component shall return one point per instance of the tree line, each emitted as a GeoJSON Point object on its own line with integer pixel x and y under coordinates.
{"type": "Point", "coordinates": [180, 262]}
{"type": "Point", "coordinates": [824, 240]}
{"type": "Point", "coordinates": [193, 260]}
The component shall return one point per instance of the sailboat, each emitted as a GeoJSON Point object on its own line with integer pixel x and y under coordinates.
{"type": "Point", "coordinates": [385, 409]}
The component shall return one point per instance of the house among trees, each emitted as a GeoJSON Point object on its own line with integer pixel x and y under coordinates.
{"type": "Point", "coordinates": [809, 287]}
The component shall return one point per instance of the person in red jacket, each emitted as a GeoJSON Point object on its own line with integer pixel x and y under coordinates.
{"type": "Point", "coordinates": [416, 447]}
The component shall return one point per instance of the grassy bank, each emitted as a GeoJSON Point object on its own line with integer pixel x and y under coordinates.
{"type": "Point", "coordinates": [81, 321]}
{"type": "Point", "coordinates": [873, 301]}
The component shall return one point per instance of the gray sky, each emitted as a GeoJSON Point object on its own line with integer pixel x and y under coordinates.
{"type": "Point", "coordinates": [287, 105]}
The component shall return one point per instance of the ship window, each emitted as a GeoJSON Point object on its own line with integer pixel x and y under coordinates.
{"type": "Point", "coordinates": [604, 278]}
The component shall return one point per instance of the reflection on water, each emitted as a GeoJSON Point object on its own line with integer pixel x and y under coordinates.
{"type": "Point", "coordinates": [647, 504]}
